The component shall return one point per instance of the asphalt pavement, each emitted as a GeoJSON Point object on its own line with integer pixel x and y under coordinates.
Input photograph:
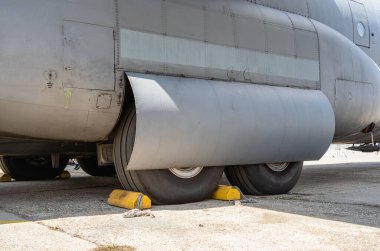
{"type": "Point", "coordinates": [335, 206]}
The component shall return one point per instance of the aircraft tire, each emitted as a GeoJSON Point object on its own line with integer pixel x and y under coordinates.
{"type": "Point", "coordinates": [31, 168]}
{"type": "Point", "coordinates": [174, 186]}
{"type": "Point", "coordinates": [265, 180]}
{"type": "Point", "coordinates": [90, 166]}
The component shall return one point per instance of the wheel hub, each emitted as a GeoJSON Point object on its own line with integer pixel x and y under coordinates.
{"type": "Point", "coordinates": [187, 172]}
{"type": "Point", "coordinates": [278, 167]}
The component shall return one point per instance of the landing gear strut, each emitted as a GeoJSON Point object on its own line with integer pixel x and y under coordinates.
{"type": "Point", "coordinates": [91, 167]}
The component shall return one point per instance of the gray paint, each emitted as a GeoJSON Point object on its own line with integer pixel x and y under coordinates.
{"type": "Point", "coordinates": [32, 44]}
{"type": "Point", "coordinates": [235, 42]}
{"type": "Point", "coordinates": [140, 48]}
{"type": "Point", "coordinates": [194, 122]}
{"type": "Point", "coordinates": [88, 58]}
{"type": "Point", "coordinates": [343, 60]}
{"type": "Point", "coordinates": [310, 45]}
{"type": "Point", "coordinates": [360, 24]}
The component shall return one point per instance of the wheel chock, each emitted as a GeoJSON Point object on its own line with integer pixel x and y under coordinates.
{"type": "Point", "coordinates": [129, 200]}
{"type": "Point", "coordinates": [5, 178]}
{"type": "Point", "coordinates": [64, 175]}
{"type": "Point", "coordinates": [226, 193]}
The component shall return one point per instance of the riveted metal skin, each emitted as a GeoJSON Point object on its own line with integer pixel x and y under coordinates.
{"type": "Point", "coordinates": [64, 69]}
{"type": "Point", "coordinates": [227, 124]}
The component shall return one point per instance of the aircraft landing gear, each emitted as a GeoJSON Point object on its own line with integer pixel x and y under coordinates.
{"type": "Point", "coordinates": [265, 179]}
{"type": "Point", "coordinates": [30, 168]}
{"type": "Point", "coordinates": [169, 186]}
{"type": "Point", "coordinates": [90, 166]}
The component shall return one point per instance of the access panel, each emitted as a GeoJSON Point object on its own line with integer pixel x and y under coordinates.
{"type": "Point", "coordinates": [88, 56]}
{"type": "Point", "coordinates": [360, 22]}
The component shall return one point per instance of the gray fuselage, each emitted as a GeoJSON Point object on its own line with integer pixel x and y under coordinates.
{"type": "Point", "coordinates": [63, 62]}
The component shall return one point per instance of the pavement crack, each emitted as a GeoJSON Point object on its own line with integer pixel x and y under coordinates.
{"type": "Point", "coordinates": [61, 230]}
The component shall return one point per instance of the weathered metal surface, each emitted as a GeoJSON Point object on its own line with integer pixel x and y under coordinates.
{"type": "Point", "coordinates": [34, 105]}
{"type": "Point", "coordinates": [236, 41]}
{"type": "Point", "coordinates": [307, 44]}
{"type": "Point", "coordinates": [190, 123]}
{"type": "Point", "coordinates": [88, 56]}
{"type": "Point", "coordinates": [360, 23]}
{"type": "Point", "coordinates": [337, 76]}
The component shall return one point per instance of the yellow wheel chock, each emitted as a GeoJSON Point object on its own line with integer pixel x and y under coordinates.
{"type": "Point", "coordinates": [65, 175]}
{"type": "Point", "coordinates": [5, 178]}
{"type": "Point", "coordinates": [226, 193]}
{"type": "Point", "coordinates": [129, 200]}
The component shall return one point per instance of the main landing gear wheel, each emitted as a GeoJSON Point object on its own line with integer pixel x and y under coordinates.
{"type": "Point", "coordinates": [169, 186]}
{"type": "Point", "coordinates": [265, 179]}
{"type": "Point", "coordinates": [32, 168]}
{"type": "Point", "coordinates": [90, 166]}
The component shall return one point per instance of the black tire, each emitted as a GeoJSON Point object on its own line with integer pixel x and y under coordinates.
{"type": "Point", "coordinates": [32, 168]}
{"type": "Point", "coordinates": [90, 166]}
{"type": "Point", "coordinates": [162, 186]}
{"type": "Point", "coordinates": [261, 180]}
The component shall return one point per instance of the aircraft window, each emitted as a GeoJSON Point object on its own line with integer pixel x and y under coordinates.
{"type": "Point", "coordinates": [361, 29]}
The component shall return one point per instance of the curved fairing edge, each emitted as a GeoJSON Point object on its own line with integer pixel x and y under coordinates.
{"type": "Point", "coordinates": [192, 122]}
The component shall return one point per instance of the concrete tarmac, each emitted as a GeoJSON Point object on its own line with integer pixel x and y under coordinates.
{"type": "Point", "coordinates": [335, 206]}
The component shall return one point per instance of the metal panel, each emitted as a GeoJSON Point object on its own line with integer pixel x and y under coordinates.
{"type": "Point", "coordinates": [280, 40]}
{"type": "Point", "coordinates": [302, 23]}
{"type": "Point", "coordinates": [373, 13]}
{"type": "Point", "coordinates": [357, 74]}
{"type": "Point", "coordinates": [224, 40]}
{"type": "Point", "coordinates": [141, 49]}
{"type": "Point", "coordinates": [99, 12]}
{"type": "Point", "coordinates": [360, 21]}
{"type": "Point", "coordinates": [30, 48]}
{"type": "Point", "coordinates": [347, 97]}
{"type": "Point", "coordinates": [88, 56]}
{"type": "Point", "coordinates": [220, 28]}
{"type": "Point", "coordinates": [336, 14]}
{"type": "Point", "coordinates": [34, 95]}
{"type": "Point", "coordinates": [307, 45]}
{"type": "Point", "coordinates": [247, 10]}
{"type": "Point", "coordinates": [191, 122]}
{"type": "Point", "coordinates": [277, 17]}
{"type": "Point", "coordinates": [192, 16]}
{"type": "Point", "coordinates": [143, 15]}
{"type": "Point", "coordinates": [295, 6]}
{"type": "Point", "coordinates": [248, 26]}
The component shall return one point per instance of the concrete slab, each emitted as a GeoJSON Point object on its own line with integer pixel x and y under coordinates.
{"type": "Point", "coordinates": [222, 228]}
{"type": "Point", "coordinates": [34, 236]}
{"type": "Point", "coordinates": [335, 206]}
